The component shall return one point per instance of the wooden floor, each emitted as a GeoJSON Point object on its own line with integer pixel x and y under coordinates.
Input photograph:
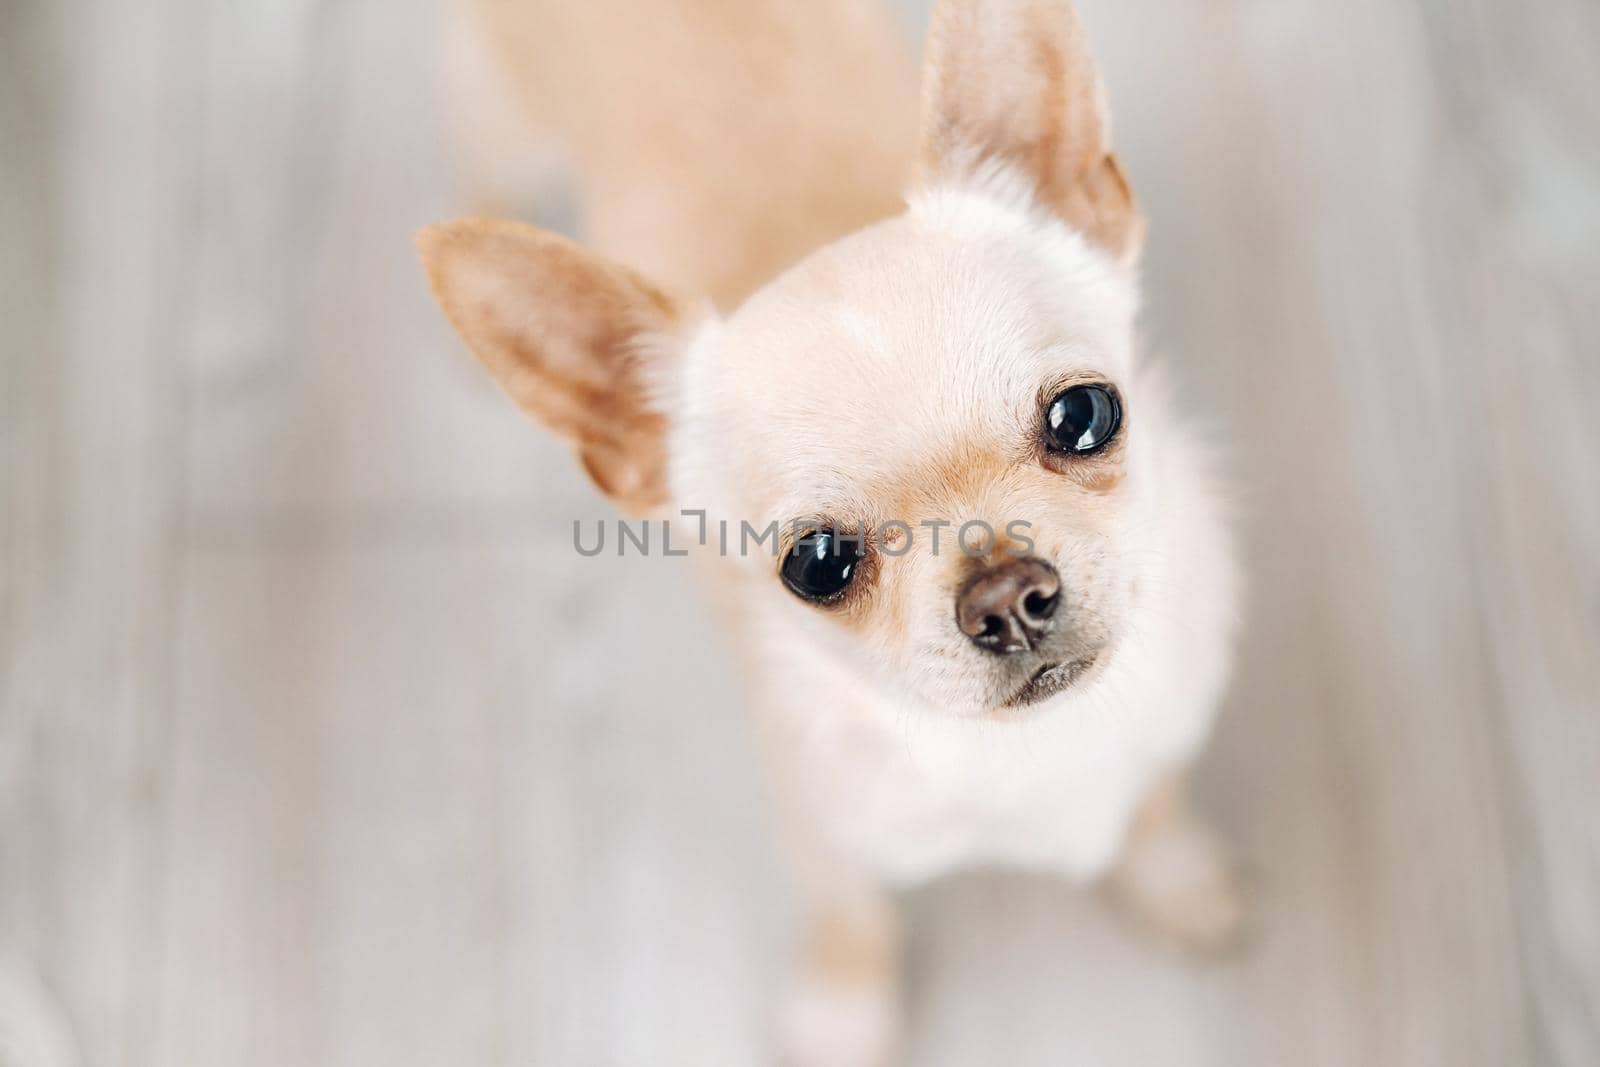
{"type": "Point", "coordinates": [319, 746]}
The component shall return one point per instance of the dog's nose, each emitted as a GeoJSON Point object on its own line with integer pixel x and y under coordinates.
{"type": "Point", "coordinates": [1008, 608]}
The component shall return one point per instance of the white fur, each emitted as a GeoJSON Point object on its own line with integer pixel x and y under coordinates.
{"type": "Point", "coordinates": [899, 374]}
{"type": "Point", "coordinates": [824, 392]}
{"type": "Point", "coordinates": [839, 1024]}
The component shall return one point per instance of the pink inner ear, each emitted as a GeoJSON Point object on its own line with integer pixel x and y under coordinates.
{"type": "Point", "coordinates": [1013, 80]}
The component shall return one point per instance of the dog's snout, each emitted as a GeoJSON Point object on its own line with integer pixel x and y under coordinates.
{"type": "Point", "coordinates": [1008, 608]}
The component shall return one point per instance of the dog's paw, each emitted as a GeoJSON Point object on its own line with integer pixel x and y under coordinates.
{"type": "Point", "coordinates": [1180, 883]}
{"type": "Point", "coordinates": [839, 1024]}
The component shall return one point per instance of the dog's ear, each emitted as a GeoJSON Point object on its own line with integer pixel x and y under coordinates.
{"type": "Point", "coordinates": [1013, 80]}
{"type": "Point", "coordinates": [575, 340]}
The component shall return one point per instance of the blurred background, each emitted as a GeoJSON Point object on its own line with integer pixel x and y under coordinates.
{"type": "Point", "coordinates": [319, 746]}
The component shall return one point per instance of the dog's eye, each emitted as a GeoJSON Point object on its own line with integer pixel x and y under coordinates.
{"type": "Point", "coordinates": [820, 565]}
{"type": "Point", "coordinates": [1082, 419]}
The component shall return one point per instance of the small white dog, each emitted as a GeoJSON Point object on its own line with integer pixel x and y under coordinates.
{"type": "Point", "coordinates": [996, 621]}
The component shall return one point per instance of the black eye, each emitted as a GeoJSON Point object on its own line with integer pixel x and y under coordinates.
{"type": "Point", "coordinates": [1082, 419]}
{"type": "Point", "coordinates": [821, 564]}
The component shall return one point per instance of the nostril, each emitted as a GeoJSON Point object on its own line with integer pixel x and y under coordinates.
{"type": "Point", "coordinates": [1039, 604]}
{"type": "Point", "coordinates": [1007, 608]}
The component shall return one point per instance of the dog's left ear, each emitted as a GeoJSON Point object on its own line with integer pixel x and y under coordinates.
{"type": "Point", "coordinates": [580, 343]}
{"type": "Point", "coordinates": [1013, 80]}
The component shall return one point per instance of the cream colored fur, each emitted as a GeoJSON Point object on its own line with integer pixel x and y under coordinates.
{"type": "Point", "coordinates": [897, 373]}
{"type": "Point", "coordinates": [715, 141]}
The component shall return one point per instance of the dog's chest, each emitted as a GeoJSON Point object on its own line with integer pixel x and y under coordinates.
{"type": "Point", "coordinates": [915, 802]}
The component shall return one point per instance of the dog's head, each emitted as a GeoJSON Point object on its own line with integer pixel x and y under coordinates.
{"type": "Point", "coordinates": [924, 439]}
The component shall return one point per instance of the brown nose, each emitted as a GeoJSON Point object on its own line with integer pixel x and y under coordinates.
{"type": "Point", "coordinates": [1008, 608]}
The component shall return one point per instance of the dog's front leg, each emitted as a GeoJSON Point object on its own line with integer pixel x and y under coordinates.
{"type": "Point", "coordinates": [1176, 876]}
{"type": "Point", "coordinates": [842, 1008]}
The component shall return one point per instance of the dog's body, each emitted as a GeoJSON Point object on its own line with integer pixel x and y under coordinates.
{"type": "Point", "coordinates": [715, 141]}
{"type": "Point", "coordinates": [916, 372]}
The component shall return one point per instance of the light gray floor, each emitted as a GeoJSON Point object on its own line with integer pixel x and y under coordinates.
{"type": "Point", "coordinates": [320, 747]}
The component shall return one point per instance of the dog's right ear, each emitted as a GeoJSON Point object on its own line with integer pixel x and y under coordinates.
{"type": "Point", "coordinates": [575, 340]}
{"type": "Point", "coordinates": [1013, 81]}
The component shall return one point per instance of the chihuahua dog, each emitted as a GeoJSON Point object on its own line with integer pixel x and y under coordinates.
{"type": "Point", "coordinates": [998, 617]}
